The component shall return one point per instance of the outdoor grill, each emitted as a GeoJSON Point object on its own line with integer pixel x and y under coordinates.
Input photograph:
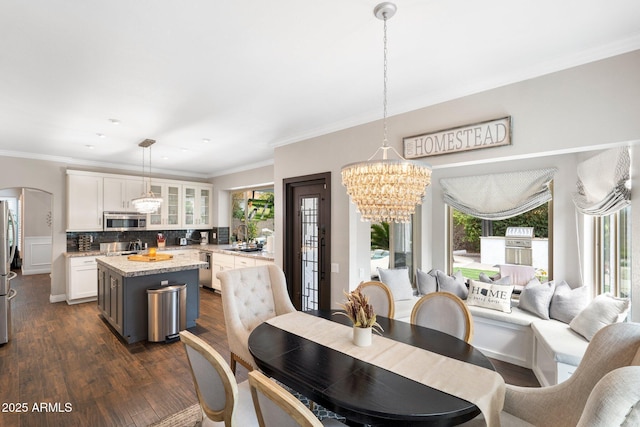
{"type": "Point", "coordinates": [517, 245]}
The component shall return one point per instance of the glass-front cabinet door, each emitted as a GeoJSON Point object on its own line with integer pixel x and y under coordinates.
{"type": "Point", "coordinates": [168, 215]}
{"type": "Point", "coordinates": [189, 199]}
{"type": "Point", "coordinates": [205, 201]}
{"type": "Point", "coordinates": [196, 202]}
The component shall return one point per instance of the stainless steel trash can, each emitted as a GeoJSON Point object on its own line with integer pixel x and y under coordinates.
{"type": "Point", "coordinates": [167, 312]}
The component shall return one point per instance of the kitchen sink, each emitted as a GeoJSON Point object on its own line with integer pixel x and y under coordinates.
{"type": "Point", "coordinates": [245, 249]}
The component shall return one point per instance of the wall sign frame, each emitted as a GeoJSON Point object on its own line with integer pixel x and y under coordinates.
{"type": "Point", "coordinates": [492, 133]}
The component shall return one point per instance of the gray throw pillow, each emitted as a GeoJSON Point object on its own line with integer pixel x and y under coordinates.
{"type": "Point", "coordinates": [426, 282]}
{"type": "Point", "coordinates": [454, 284]}
{"type": "Point", "coordinates": [397, 279]}
{"type": "Point", "coordinates": [566, 303]}
{"type": "Point", "coordinates": [603, 310]}
{"type": "Point", "coordinates": [536, 297]}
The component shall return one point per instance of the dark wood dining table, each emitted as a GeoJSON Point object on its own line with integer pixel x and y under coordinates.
{"type": "Point", "coordinates": [361, 392]}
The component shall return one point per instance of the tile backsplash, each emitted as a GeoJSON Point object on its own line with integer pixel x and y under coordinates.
{"type": "Point", "coordinates": [75, 240]}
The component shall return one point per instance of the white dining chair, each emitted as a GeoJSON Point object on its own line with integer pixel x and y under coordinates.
{"type": "Point", "coordinates": [380, 298]}
{"type": "Point", "coordinates": [276, 407]}
{"type": "Point", "coordinates": [250, 296]}
{"type": "Point", "coordinates": [444, 312]}
{"type": "Point", "coordinates": [222, 400]}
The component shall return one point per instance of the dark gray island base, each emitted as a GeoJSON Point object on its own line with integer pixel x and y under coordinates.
{"type": "Point", "coordinates": [122, 291]}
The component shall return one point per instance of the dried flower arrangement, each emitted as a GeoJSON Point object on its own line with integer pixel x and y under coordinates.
{"type": "Point", "coordinates": [358, 309]}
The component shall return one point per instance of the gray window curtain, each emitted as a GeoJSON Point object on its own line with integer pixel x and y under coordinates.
{"type": "Point", "coordinates": [498, 196]}
{"type": "Point", "coordinates": [604, 183]}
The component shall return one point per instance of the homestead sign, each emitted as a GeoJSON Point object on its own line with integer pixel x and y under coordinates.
{"type": "Point", "coordinates": [493, 133]}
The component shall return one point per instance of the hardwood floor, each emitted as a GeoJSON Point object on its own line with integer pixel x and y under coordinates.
{"type": "Point", "coordinates": [64, 366]}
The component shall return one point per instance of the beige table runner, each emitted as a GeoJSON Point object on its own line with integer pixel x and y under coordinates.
{"type": "Point", "coordinates": [483, 387]}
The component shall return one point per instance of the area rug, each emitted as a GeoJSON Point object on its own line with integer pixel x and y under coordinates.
{"type": "Point", "coordinates": [192, 416]}
{"type": "Point", "coordinates": [189, 417]}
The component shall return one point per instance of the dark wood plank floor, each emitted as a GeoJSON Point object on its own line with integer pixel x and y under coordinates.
{"type": "Point", "coordinates": [67, 357]}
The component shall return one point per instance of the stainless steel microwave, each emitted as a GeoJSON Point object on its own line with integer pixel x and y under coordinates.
{"type": "Point", "coordinates": [124, 221]}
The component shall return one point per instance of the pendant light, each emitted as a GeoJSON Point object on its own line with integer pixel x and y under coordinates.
{"type": "Point", "coordinates": [386, 189]}
{"type": "Point", "coordinates": [148, 202]}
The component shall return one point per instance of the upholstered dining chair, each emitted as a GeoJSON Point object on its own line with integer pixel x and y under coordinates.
{"type": "Point", "coordinates": [570, 403]}
{"type": "Point", "coordinates": [444, 312]}
{"type": "Point", "coordinates": [250, 296]}
{"type": "Point", "coordinates": [380, 297]}
{"type": "Point", "coordinates": [276, 407]}
{"type": "Point", "coordinates": [222, 400]}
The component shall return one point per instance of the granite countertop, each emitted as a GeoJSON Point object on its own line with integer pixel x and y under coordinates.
{"type": "Point", "coordinates": [223, 249]}
{"type": "Point", "coordinates": [127, 268]}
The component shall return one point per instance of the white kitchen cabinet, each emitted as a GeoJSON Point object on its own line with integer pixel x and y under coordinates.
{"type": "Point", "coordinates": [243, 262]}
{"type": "Point", "coordinates": [84, 201]}
{"type": "Point", "coordinates": [225, 262]}
{"type": "Point", "coordinates": [82, 279]}
{"type": "Point", "coordinates": [221, 262]}
{"type": "Point", "coordinates": [168, 215]}
{"type": "Point", "coordinates": [196, 202]}
{"type": "Point", "coordinates": [118, 193]}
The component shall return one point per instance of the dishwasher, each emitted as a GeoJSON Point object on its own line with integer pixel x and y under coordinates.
{"type": "Point", "coordinates": [205, 272]}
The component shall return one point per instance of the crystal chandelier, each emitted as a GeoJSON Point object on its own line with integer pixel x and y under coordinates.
{"type": "Point", "coordinates": [148, 202]}
{"type": "Point", "coordinates": [386, 189]}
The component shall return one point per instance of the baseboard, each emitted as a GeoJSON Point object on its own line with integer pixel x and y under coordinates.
{"type": "Point", "coordinates": [31, 272]}
{"type": "Point", "coordinates": [81, 300]}
{"type": "Point", "coordinates": [57, 298]}
{"type": "Point", "coordinates": [504, 357]}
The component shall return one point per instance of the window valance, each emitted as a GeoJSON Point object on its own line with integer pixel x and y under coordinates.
{"type": "Point", "coordinates": [604, 183]}
{"type": "Point", "coordinates": [498, 196]}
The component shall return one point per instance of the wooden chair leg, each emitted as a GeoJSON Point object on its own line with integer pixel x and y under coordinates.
{"type": "Point", "coordinates": [237, 359]}
{"type": "Point", "coordinates": [232, 364]}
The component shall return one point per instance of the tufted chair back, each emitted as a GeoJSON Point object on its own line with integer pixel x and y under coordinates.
{"type": "Point", "coordinates": [249, 297]}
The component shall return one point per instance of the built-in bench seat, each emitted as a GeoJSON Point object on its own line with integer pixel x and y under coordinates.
{"type": "Point", "coordinates": [548, 347]}
{"type": "Point", "coordinates": [402, 308]}
{"type": "Point", "coordinates": [557, 351]}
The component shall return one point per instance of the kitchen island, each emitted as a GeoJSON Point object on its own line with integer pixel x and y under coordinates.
{"type": "Point", "coordinates": [122, 291]}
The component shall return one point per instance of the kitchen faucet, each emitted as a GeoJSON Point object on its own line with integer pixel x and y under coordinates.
{"type": "Point", "coordinates": [245, 234]}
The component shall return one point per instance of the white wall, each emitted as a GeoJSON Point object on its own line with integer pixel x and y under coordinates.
{"type": "Point", "coordinates": [49, 177]}
{"type": "Point", "coordinates": [590, 107]}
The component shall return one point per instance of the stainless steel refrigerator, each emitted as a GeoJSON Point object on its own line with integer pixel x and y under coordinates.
{"type": "Point", "coordinates": [8, 243]}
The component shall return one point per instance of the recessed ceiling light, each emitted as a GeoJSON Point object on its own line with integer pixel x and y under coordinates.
{"type": "Point", "coordinates": [206, 140]}
{"type": "Point", "coordinates": [114, 121]}
{"type": "Point", "coordinates": [90, 147]}
{"type": "Point", "coordinates": [101, 135]}
{"type": "Point", "coordinates": [165, 158]}
{"type": "Point", "coordinates": [184, 150]}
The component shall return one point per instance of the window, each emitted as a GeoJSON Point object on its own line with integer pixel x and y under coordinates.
{"type": "Point", "coordinates": [392, 246]}
{"type": "Point", "coordinates": [612, 256]}
{"type": "Point", "coordinates": [479, 245]}
{"type": "Point", "coordinates": [252, 215]}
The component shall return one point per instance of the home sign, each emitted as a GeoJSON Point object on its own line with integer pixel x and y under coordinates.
{"type": "Point", "coordinates": [493, 133]}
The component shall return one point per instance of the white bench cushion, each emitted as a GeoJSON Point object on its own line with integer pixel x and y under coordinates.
{"type": "Point", "coordinates": [567, 346]}
{"type": "Point", "coordinates": [402, 309]}
{"type": "Point", "coordinates": [517, 316]}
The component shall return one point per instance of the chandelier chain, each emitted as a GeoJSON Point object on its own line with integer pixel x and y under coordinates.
{"type": "Point", "coordinates": [384, 94]}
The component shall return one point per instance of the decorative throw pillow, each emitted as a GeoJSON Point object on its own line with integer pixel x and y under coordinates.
{"type": "Point", "coordinates": [496, 297]}
{"type": "Point", "coordinates": [484, 278]}
{"type": "Point", "coordinates": [453, 284]}
{"type": "Point", "coordinates": [426, 282]}
{"type": "Point", "coordinates": [397, 279]}
{"type": "Point", "coordinates": [566, 303]}
{"type": "Point", "coordinates": [603, 310]}
{"type": "Point", "coordinates": [536, 297]}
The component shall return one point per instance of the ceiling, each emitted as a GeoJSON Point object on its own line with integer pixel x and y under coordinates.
{"type": "Point", "coordinates": [219, 85]}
